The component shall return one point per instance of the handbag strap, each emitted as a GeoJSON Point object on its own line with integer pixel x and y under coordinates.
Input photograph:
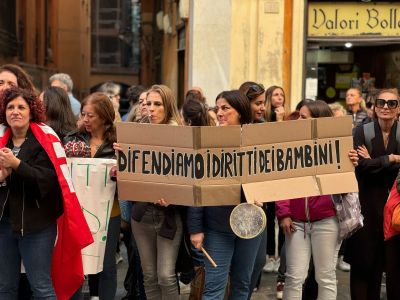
{"type": "Point", "coordinates": [369, 134]}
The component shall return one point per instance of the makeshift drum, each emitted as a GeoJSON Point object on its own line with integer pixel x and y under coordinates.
{"type": "Point", "coordinates": [247, 220]}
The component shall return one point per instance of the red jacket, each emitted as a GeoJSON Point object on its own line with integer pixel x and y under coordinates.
{"type": "Point", "coordinates": [306, 209]}
{"type": "Point", "coordinates": [393, 201]}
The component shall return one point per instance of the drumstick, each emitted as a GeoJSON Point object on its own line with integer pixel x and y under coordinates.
{"type": "Point", "coordinates": [209, 257]}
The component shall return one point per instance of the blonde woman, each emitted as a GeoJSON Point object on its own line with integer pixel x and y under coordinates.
{"type": "Point", "coordinates": [157, 228]}
{"type": "Point", "coordinates": [337, 109]}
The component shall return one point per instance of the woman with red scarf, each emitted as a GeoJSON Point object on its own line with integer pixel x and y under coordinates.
{"type": "Point", "coordinates": [37, 204]}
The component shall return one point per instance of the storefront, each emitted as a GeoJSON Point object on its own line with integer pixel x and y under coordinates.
{"type": "Point", "coordinates": [351, 44]}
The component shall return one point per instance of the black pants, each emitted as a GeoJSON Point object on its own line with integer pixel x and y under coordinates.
{"type": "Point", "coordinates": [258, 264]}
{"type": "Point", "coordinates": [392, 253]}
{"type": "Point", "coordinates": [366, 283]}
{"type": "Point", "coordinates": [133, 282]}
{"type": "Point", "coordinates": [271, 231]}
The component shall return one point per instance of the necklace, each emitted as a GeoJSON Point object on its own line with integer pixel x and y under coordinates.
{"type": "Point", "coordinates": [95, 144]}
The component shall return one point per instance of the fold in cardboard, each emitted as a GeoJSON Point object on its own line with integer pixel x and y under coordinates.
{"type": "Point", "coordinates": [204, 166]}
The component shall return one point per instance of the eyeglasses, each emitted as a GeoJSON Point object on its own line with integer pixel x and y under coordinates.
{"type": "Point", "coordinates": [391, 104]}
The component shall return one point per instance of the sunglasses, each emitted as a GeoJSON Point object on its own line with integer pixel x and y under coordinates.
{"type": "Point", "coordinates": [391, 104]}
{"type": "Point", "coordinates": [369, 105]}
{"type": "Point", "coordinates": [255, 90]}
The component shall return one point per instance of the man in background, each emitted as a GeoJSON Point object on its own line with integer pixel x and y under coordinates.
{"type": "Point", "coordinates": [64, 81]}
{"type": "Point", "coordinates": [113, 91]}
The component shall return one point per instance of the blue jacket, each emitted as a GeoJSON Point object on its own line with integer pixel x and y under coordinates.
{"type": "Point", "coordinates": [215, 218]}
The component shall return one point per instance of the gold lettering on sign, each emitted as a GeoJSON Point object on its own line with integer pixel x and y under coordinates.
{"type": "Point", "coordinates": [347, 19]}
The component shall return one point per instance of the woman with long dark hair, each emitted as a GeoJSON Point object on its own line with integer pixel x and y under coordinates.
{"type": "Point", "coordinates": [311, 229]}
{"type": "Point", "coordinates": [58, 111]}
{"type": "Point", "coordinates": [210, 225]}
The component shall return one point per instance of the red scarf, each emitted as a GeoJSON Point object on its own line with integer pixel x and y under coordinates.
{"type": "Point", "coordinates": [73, 232]}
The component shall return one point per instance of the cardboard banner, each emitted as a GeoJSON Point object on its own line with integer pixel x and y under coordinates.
{"type": "Point", "coordinates": [95, 192]}
{"type": "Point", "coordinates": [201, 166]}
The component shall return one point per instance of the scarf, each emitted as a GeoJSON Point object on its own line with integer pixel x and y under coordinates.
{"type": "Point", "coordinates": [73, 232]}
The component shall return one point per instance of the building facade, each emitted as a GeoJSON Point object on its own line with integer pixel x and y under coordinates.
{"type": "Point", "coordinates": [313, 49]}
{"type": "Point", "coordinates": [93, 41]}
{"type": "Point", "coordinates": [217, 45]}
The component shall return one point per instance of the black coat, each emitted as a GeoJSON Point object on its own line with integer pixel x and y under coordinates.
{"type": "Point", "coordinates": [365, 249]}
{"type": "Point", "coordinates": [32, 198]}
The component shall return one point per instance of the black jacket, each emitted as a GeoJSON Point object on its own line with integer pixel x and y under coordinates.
{"type": "Point", "coordinates": [32, 197]}
{"type": "Point", "coordinates": [105, 150]}
{"type": "Point", "coordinates": [365, 249]}
{"type": "Point", "coordinates": [216, 218]}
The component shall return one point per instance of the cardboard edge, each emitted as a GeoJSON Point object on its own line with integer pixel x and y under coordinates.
{"type": "Point", "coordinates": [330, 184]}
{"type": "Point", "coordinates": [179, 194]}
{"type": "Point", "coordinates": [287, 189]}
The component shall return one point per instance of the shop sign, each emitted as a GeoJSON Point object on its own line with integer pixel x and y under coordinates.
{"type": "Point", "coordinates": [347, 19]}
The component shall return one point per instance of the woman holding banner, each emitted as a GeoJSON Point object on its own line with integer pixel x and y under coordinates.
{"type": "Point", "coordinates": [157, 228]}
{"type": "Point", "coordinates": [311, 228]}
{"type": "Point", "coordinates": [37, 204]}
{"type": "Point", "coordinates": [94, 138]}
{"type": "Point", "coordinates": [209, 226]}
{"type": "Point", "coordinates": [255, 94]}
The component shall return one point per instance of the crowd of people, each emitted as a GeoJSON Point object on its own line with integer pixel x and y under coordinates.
{"type": "Point", "coordinates": [166, 242]}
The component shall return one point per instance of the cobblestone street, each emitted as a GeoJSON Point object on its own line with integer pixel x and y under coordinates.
{"type": "Point", "coordinates": [267, 288]}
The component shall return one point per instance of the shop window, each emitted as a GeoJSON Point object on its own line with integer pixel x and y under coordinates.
{"type": "Point", "coordinates": [115, 35]}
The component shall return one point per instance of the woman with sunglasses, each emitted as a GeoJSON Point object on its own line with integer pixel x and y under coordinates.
{"type": "Point", "coordinates": [378, 166]}
{"type": "Point", "coordinates": [274, 112]}
{"type": "Point", "coordinates": [255, 93]}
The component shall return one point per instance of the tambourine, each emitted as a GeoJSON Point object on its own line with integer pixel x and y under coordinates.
{"type": "Point", "coordinates": [247, 220]}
